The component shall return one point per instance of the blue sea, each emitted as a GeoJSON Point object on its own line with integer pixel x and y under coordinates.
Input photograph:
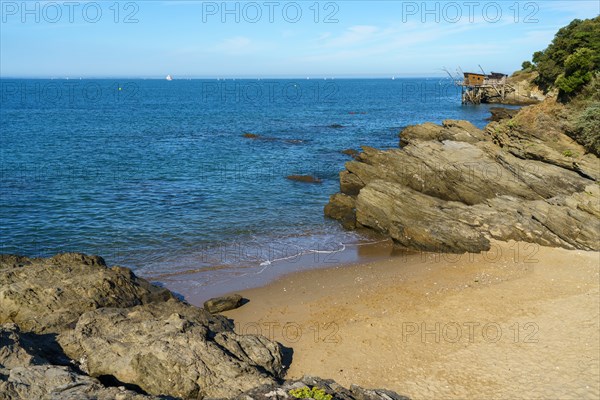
{"type": "Point", "coordinates": [157, 176]}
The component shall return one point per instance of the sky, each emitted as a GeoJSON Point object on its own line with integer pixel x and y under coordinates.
{"type": "Point", "coordinates": [272, 38]}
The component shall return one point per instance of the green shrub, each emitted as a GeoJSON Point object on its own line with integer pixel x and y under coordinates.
{"type": "Point", "coordinates": [314, 393]}
{"type": "Point", "coordinates": [587, 128]}
{"type": "Point", "coordinates": [512, 124]}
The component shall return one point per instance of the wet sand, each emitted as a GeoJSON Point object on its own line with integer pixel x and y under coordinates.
{"type": "Point", "coordinates": [519, 321]}
{"type": "Point", "coordinates": [195, 288]}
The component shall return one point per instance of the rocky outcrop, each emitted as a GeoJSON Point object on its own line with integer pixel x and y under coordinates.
{"type": "Point", "coordinates": [49, 295]}
{"type": "Point", "coordinates": [501, 113]}
{"type": "Point", "coordinates": [520, 90]}
{"type": "Point", "coordinates": [120, 328]}
{"type": "Point", "coordinates": [26, 374]}
{"type": "Point", "coordinates": [168, 352]}
{"type": "Point", "coordinates": [454, 187]}
{"type": "Point", "coordinates": [72, 328]}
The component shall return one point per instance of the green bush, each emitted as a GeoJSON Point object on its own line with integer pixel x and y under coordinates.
{"type": "Point", "coordinates": [587, 128]}
{"type": "Point", "coordinates": [314, 393]}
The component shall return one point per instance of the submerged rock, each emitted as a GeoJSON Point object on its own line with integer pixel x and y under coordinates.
{"type": "Point", "coordinates": [224, 303]}
{"type": "Point", "coordinates": [304, 178]}
{"type": "Point", "coordinates": [351, 152]}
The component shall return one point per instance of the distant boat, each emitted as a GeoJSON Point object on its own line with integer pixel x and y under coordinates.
{"type": "Point", "coordinates": [169, 78]}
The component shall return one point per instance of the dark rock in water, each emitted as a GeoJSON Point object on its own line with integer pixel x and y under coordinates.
{"type": "Point", "coordinates": [351, 152]}
{"type": "Point", "coordinates": [249, 135]}
{"type": "Point", "coordinates": [336, 126]}
{"type": "Point", "coordinates": [454, 187]}
{"type": "Point", "coordinates": [304, 178]}
{"type": "Point", "coordinates": [224, 303]}
{"type": "Point", "coordinates": [500, 113]}
{"type": "Point", "coordinates": [330, 387]}
{"type": "Point", "coordinates": [26, 374]}
{"type": "Point", "coordinates": [122, 329]}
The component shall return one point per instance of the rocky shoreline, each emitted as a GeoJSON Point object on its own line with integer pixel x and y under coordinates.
{"type": "Point", "coordinates": [454, 187]}
{"type": "Point", "coordinates": [73, 328]}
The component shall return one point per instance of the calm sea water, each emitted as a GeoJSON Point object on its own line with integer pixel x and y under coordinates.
{"type": "Point", "coordinates": [156, 175]}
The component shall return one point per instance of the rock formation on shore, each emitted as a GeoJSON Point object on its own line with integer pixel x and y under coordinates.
{"type": "Point", "coordinates": [454, 187]}
{"type": "Point", "coordinates": [520, 91]}
{"type": "Point", "coordinates": [73, 328]}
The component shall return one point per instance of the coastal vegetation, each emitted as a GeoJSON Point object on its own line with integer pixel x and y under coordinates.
{"type": "Point", "coordinates": [567, 63]}
{"type": "Point", "coordinates": [571, 66]}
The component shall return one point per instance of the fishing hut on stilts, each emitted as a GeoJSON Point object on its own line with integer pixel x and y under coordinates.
{"type": "Point", "coordinates": [476, 88]}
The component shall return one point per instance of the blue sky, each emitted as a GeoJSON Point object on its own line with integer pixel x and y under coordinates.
{"type": "Point", "coordinates": [272, 39]}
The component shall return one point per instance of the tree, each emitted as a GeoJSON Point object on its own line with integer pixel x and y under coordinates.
{"type": "Point", "coordinates": [578, 71]}
{"type": "Point", "coordinates": [552, 62]}
{"type": "Point", "coordinates": [526, 66]}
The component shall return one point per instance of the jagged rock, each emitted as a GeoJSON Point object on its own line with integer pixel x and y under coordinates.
{"type": "Point", "coordinates": [538, 133]}
{"type": "Point", "coordinates": [336, 391]}
{"type": "Point", "coordinates": [224, 303]}
{"type": "Point", "coordinates": [164, 351]}
{"type": "Point", "coordinates": [342, 207]}
{"type": "Point", "coordinates": [519, 91]}
{"type": "Point", "coordinates": [501, 113]}
{"type": "Point", "coordinates": [433, 224]}
{"type": "Point", "coordinates": [454, 187]}
{"type": "Point", "coordinates": [462, 131]}
{"type": "Point", "coordinates": [25, 374]}
{"type": "Point", "coordinates": [119, 326]}
{"type": "Point", "coordinates": [49, 295]}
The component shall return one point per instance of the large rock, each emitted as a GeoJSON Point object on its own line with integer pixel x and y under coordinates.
{"type": "Point", "coordinates": [453, 187]}
{"type": "Point", "coordinates": [26, 374]}
{"type": "Point", "coordinates": [48, 295]}
{"type": "Point", "coordinates": [120, 328]}
{"type": "Point", "coordinates": [501, 113]}
{"type": "Point", "coordinates": [168, 352]}
{"type": "Point", "coordinates": [538, 133]}
{"type": "Point", "coordinates": [463, 131]}
{"type": "Point", "coordinates": [432, 224]}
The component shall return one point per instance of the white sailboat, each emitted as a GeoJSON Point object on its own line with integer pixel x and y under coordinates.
{"type": "Point", "coordinates": [169, 78]}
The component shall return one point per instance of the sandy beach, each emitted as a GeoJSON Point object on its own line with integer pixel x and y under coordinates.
{"type": "Point", "coordinates": [518, 321]}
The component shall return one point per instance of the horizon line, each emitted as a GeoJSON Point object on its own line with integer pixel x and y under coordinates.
{"type": "Point", "coordinates": [183, 77]}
